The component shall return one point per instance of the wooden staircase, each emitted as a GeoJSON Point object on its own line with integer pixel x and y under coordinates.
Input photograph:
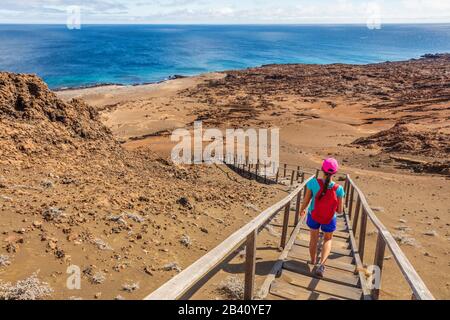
{"type": "Point", "coordinates": [296, 280]}
{"type": "Point", "coordinates": [291, 277]}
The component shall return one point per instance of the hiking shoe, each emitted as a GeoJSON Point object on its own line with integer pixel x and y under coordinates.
{"type": "Point", "coordinates": [320, 271]}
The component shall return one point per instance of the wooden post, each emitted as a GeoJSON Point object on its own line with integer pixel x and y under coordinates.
{"type": "Point", "coordinates": [317, 173]}
{"type": "Point", "coordinates": [346, 189]}
{"type": "Point", "coordinates": [250, 266]}
{"type": "Point", "coordinates": [347, 194]}
{"type": "Point", "coordinates": [276, 177]}
{"type": "Point", "coordinates": [265, 172]}
{"type": "Point", "coordinates": [351, 202]}
{"type": "Point", "coordinates": [257, 170]}
{"type": "Point", "coordinates": [345, 185]}
{"type": "Point", "coordinates": [292, 177]}
{"type": "Point", "coordinates": [304, 189]}
{"type": "Point", "coordinates": [356, 215]}
{"type": "Point", "coordinates": [378, 261]}
{"type": "Point", "coordinates": [297, 208]}
{"type": "Point", "coordinates": [285, 171]}
{"type": "Point", "coordinates": [303, 177]}
{"type": "Point", "coordinates": [298, 173]}
{"type": "Point", "coordinates": [287, 210]}
{"type": "Point", "coordinates": [362, 234]}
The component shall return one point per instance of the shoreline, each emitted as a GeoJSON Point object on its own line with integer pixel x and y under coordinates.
{"type": "Point", "coordinates": [179, 76]}
{"type": "Point", "coordinates": [113, 84]}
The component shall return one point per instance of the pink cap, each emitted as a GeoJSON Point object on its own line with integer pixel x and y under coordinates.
{"type": "Point", "coordinates": [330, 165]}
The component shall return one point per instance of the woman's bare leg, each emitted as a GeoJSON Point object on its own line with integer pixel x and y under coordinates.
{"type": "Point", "coordinates": [313, 240]}
{"type": "Point", "coordinates": [327, 241]}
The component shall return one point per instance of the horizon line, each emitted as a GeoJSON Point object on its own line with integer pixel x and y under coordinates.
{"type": "Point", "coordinates": [225, 24]}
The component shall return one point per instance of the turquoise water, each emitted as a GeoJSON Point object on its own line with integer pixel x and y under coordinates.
{"type": "Point", "coordinates": [132, 54]}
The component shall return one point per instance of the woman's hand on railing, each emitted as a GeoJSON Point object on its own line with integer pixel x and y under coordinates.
{"type": "Point", "coordinates": [303, 214]}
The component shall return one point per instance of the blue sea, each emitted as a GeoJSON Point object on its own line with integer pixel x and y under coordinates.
{"type": "Point", "coordinates": [133, 54]}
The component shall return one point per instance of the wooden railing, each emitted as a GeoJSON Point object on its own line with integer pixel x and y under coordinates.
{"type": "Point", "coordinates": [359, 212]}
{"type": "Point", "coordinates": [182, 283]}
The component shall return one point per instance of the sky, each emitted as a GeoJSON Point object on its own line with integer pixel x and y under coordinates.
{"type": "Point", "coordinates": [226, 11]}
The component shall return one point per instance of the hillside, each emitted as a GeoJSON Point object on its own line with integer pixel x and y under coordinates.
{"type": "Point", "coordinates": [71, 195]}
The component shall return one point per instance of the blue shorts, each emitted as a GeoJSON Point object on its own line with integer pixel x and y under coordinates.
{"type": "Point", "coordinates": [327, 228]}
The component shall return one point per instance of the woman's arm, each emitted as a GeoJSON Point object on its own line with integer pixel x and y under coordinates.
{"type": "Point", "coordinates": [306, 202]}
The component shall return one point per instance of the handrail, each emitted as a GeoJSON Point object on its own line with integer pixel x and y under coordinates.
{"type": "Point", "coordinates": [184, 281]}
{"type": "Point", "coordinates": [418, 287]}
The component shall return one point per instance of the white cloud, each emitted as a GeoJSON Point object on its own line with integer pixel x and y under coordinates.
{"type": "Point", "coordinates": [226, 11]}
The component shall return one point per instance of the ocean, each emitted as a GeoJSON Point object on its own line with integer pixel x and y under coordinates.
{"type": "Point", "coordinates": [134, 54]}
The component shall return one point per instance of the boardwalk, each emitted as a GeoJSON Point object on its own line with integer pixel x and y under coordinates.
{"type": "Point", "coordinates": [296, 280]}
{"type": "Point", "coordinates": [347, 275]}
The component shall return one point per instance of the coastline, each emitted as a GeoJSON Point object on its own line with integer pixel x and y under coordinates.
{"type": "Point", "coordinates": [112, 84]}
{"type": "Point", "coordinates": [180, 76]}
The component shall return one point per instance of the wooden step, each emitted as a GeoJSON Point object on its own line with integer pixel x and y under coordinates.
{"type": "Point", "coordinates": [333, 256]}
{"type": "Point", "coordinates": [334, 248]}
{"type": "Point", "coordinates": [337, 242]}
{"type": "Point", "coordinates": [332, 275]}
{"type": "Point", "coordinates": [303, 256]}
{"type": "Point", "coordinates": [287, 291]}
{"type": "Point", "coordinates": [321, 286]}
{"type": "Point", "coordinates": [272, 297]}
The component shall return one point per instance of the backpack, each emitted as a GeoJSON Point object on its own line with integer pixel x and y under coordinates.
{"type": "Point", "coordinates": [325, 208]}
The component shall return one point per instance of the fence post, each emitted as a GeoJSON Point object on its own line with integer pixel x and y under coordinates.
{"type": "Point", "coordinates": [287, 210]}
{"type": "Point", "coordinates": [292, 177]}
{"type": "Point", "coordinates": [356, 215]}
{"type": "Point", "coordinates": [378, 261]}
{"type": "Point", "coordinates": [250, 266]}
{"type": "Point", "coordinates": [317, 173]}
{"type": "Point", "coordinates": [351, 202]}
{"type": "Point", "coordinates": [285, 169]}
{"type": "Point", "coordinates": [297, 207]}
{"type": "Point", "coordinates": [362, 234]}
{"type": "Point", "coordinates": [347, 191]}
{"type": "Point", "coordinates": [304, 189]}
{"type": "Point", "coordinates": [265, 172]}
{"type": "Point", "coordinates": [298, 173]}
{"type": "Point", "coordinates": [303, 177]}
{"type": "Point", "coordinates": [257, 170]}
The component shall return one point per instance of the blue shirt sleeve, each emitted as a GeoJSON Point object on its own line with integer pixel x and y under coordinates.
{"type": "Point", "coordinates": [340, 192]}
{"type": "Point", "coordinates": [313, 186]}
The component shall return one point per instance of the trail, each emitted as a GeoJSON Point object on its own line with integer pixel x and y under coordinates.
{"type": "Point", "coordinates": [348, 275]}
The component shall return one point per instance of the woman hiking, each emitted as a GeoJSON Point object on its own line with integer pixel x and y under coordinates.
{"type": "Point", "coordinates": [326, 199]}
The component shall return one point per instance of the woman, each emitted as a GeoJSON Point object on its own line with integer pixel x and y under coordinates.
{"type": "Point", "coordinates": [326, 199]}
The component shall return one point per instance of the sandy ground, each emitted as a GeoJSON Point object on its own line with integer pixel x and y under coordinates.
{"type": "Point", "coordinates": [318, 117]}
{"type": "Point", "coordinates": [71, 195]}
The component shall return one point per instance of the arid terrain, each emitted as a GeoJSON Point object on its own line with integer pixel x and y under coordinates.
{"type": "Point", "coordinates": [89, 181]}
{"type": "Point", "coordinates": [71, 195]}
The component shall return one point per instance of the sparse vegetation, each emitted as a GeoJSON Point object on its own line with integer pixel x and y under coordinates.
{"type": "Point", "coordinates": [29, 289]}
{"type": "Point", "coordinates": [130, 287]}
{"type": "Point", "coordinates": [4, 260]}
{"type": "Point", "coordinates": [233, 288]}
